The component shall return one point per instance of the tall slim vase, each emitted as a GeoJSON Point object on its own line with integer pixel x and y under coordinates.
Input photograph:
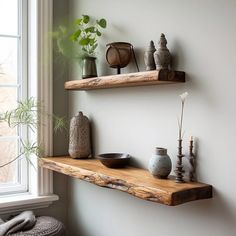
{"type": "Point", "coordinates": [80, 140]}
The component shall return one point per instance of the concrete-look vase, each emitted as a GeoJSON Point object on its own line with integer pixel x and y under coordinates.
{"type": "Point", "coordinates": [160, 163]}
{"type": "Point", "coordinates": [162, 55]}
{"type": "Point", "coordinates": [80, 142]}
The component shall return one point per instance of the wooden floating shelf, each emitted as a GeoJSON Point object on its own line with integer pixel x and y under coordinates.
{"type": "Point", "coordinates": [135, 181]}
{"type": "Point", "coordinates": [155, 77]}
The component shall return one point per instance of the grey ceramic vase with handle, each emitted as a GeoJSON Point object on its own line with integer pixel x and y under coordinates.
{"type": "Point", "coordinates": [160, 163]}
{"type": "Point", "coordinates": [80, 142]}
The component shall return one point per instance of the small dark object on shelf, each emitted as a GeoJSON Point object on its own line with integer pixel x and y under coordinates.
{"type": "Point", "coordinates": [192, 161]}
{"type": "Point", "coordinates": [119, 55]}
{"type": "Point", "coordinates": [149, 57]}
{"type": "Point", "coordinates": [89, 68]}
{"type": "Point", "coordinates": [179, 167]}
{"type": "Point", "coordinates": [114, 160]}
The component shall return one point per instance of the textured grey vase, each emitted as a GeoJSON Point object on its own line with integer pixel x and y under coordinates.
{"type": "Point", "coordinates": [162, 55]}
{"type": "Point", "coordinates": [149, 57]}
{"type": "Point", "coordinates": [160, 163]}
{"type": "Point", "coordinates": [80, 143]}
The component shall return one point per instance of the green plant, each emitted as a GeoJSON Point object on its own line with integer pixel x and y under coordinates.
{"type": "Point", "coordinates": [87, 33]}
{"type": "Point", "coordinates": [63, 45]}
{"type": "Point", "coordinates": [28, 114]}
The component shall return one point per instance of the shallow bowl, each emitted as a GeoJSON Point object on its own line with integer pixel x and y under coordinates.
{"type": "Point", "coordinates": [114, 160]}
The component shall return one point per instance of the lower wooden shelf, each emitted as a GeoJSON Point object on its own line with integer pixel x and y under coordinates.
{"type": "Point", "coordinates": [135, 181]}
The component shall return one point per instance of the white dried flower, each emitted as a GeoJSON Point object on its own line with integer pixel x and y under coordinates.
{"type": "Point", "coordinates": [183, 96]}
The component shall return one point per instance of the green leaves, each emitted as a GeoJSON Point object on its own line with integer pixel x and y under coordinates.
{"type": "Point", "coordinates": [94, 47]}
{"type": "Point", "coordinates": [90, 29]}
{"type": "Point", "coordinates": [78, 21]}
{"type": "Point", "coordinates": [86, 19]}
{"type": "Point", "coordinates": [84, 41]}
{"type": "Point", "coordinates": [76, 35]}
{"type": "Point", "coordinates": [60, 123]}
{"type": "Point", "coordinates": [102, 23]}
{"type": "Point", "coordinates": [87, 33]}
{"type": "Point", "coordinates": [24, 114]}
{"type": "Point", "coordinates": [98, 33]}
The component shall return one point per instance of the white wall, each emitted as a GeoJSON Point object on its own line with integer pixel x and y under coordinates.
{"type": "Point", "coordinates": [201, 35]}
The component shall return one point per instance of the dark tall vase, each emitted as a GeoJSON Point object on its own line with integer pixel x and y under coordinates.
{"type": "Point", "coordinates": [89, 68]}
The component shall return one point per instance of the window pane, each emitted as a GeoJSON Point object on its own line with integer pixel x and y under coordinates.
{"type": "Point", "coordinates": [8, 17]}
{"type": "Point", "coordinates": [8, 98]}
{"type": "Point", "coordinates": [8, 60]}
{"type": "Point", "coordinates": [13, 177]}
{"type": "Point", "coordinates": [8, 174]}
{"type": "Point", "coordinates": [6, 131]}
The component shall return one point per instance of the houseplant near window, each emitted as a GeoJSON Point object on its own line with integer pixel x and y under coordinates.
{"type": "Point", "coordinates": [86, 35]}
{"type": "Point", "coordinates": [27, 114]}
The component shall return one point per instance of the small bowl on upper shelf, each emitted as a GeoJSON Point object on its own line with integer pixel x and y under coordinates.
{"type": "Point", "coordinates": [114, 160]}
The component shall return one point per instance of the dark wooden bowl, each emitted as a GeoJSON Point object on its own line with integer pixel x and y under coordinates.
{"type": "Point", "coordinates": [114, 160]}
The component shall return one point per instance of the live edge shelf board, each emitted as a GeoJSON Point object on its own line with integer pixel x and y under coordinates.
{"type": "Point", "coordinates": [135, 181]}
{"type": "Point", "coordinates": [155, 77]}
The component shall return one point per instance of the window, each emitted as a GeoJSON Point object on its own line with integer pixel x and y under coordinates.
{"type": "Point", "coordinates": [13, 88]}
{"type": "Point", "coordinates": [38, 192]}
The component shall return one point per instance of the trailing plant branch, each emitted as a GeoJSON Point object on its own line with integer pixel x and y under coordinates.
{"type": "Point", "coordinates": [63, 45]}
{"type": "Point", "coordinates": [9, 162]}
{"type": "Point", "coordinates": [27, 114]}
{"type": "Point", "coordinates": [27, 149]}
{"type": "Point", "coordinates": [24, 114]}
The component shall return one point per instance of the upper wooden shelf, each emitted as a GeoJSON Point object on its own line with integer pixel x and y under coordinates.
{"type": "Point", "coordinates": [135, 181]}
{"type": "Point", "coordinates": [154, 77]}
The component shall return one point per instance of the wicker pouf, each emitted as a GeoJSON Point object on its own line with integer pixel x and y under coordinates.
{"type": "Point", "coordinates": [45, 226]}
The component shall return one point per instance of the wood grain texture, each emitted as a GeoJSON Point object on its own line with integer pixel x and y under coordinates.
{"type": "Point", "coordinates": [135, 181]}
{"type": "Point", "coordinates": [127, 80]}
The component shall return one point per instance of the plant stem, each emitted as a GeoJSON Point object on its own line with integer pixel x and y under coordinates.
{"type": "Point", "coordinates": [11, 161]}
{"type": "Point", "coordinates": [181, 120]}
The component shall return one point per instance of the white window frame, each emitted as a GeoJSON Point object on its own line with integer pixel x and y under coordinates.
{"type": "Point", "coordinates": [21, 85]}
{"type": "Point", "coordinates": [40, 77]}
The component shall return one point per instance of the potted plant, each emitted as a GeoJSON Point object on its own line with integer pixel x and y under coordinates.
{"type": "Point", "coordinates": [86, 34]}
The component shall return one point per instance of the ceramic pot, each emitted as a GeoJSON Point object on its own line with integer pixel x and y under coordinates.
{"type": "Point", "coordinates": [89, 68]}
{"type": "Point", "coordinates": [80, 142]}
{"type": "Point", "coordinates": [160, 163]}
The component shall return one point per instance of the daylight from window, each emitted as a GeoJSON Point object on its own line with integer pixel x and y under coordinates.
{"type": "Point", "coordinates": [10, 86]}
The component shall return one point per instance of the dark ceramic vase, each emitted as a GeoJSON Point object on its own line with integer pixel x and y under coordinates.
{"type": "Point", "coordinates": [89, 68]}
